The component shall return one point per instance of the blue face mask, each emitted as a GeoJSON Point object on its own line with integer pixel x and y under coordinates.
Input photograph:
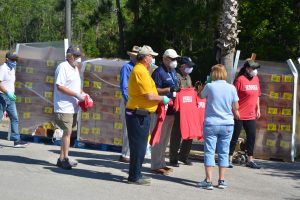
{"type": "Point", "coordinates": [11, 64]}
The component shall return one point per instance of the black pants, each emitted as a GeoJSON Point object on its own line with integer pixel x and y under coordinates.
{"type": "Point", "coordinates": [250, 129]}
{"type": "Point", "coordinates": [175, 141]}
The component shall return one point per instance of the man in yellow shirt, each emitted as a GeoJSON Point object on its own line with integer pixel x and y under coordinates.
{"type": "Point", "coordinates": [143, 99]}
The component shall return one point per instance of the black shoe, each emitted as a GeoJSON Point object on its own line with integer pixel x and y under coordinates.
{"type": "Point", "coordinates": [174, 163]}
{"type": "Point", "coordinates": [187, 162]}
{"type": "Point", "coordinates": [59, 163]}
{"type": "Point", "coordinates": [252, 165]}
{"type": "Point", "coordinates": [20, 144]}
{"type": "Point", "coordinates": [124, 159]}
{"type": "Point", "coordinates": [230, 165]}
{"type": "Point", "coordinates": [65, 163]}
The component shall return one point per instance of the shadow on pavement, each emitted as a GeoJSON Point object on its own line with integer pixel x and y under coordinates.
{"type": "Point", "coordinates": [281, 169]}
{"type": "Point", "coordinates": [84, 173]}
{"type": "Point", "coordinates": [24, 160]}
{"type": "Point", "coordinates": [111, 161]}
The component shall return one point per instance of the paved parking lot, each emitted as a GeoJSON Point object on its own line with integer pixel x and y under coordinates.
{"type": "Point", "coordinates": [31, 174]}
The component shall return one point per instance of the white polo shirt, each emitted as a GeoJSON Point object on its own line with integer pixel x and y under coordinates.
{"type": "Point", "coordinates": [8, 77]}
{"type": "Point", "coordinates": [68, 76]}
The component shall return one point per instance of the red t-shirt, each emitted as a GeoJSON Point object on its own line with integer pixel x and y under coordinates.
{"type": "Point", "coordinates": [161, 114]}
{"type": "Point", "coordinates": [248, 92]}
{"type": "Point", "coordinates": [192, 109]}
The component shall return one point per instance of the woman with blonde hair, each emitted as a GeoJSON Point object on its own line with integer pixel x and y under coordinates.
{"type": "Point", "coordinates": [221, 108]}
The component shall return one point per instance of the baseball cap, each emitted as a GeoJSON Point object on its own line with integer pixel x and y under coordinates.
{"type": "Point", "coordinates": [12, 55]}
{"type": "Point", "coordinates": [134, 51]}
{"type": "Point", "coordinates": [75, 50]}
{"type": "Point", "coordinates": [171, 53]}
{"type": "Point", "coordinates": [251, 64]}
{"type": "Point", "coordinates": [147, 50]}
{"type": "Point", "coordinates": [187, 60]}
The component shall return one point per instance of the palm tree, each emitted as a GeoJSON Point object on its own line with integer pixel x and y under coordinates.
{"type": "Point", "coordinates": [228, 35]}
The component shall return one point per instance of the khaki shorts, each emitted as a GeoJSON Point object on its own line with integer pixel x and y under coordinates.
{"type": "Point", "coordinates": [65, 121]}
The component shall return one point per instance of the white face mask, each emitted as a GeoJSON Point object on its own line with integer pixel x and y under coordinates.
{"type": "Point", "coordinates": [254, 73]}
{"type": "Point", "coordinates": [173, 64]}
{"type": "Point", "coordinates": [188, 70]}
{"type": "Point", "coordinates": [77, 61]}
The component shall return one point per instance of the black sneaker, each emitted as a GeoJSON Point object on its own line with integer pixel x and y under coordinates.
{"type": "Point", "coordinates": [174, 163]}
{"type": "Point", "coordinates": [252, 165]}
{"type": "Point", "coordinates": [230, 165]}
{"type": "Point", "coordinates": [65, 164]}
{"type": "Point", "coordinates": [20, 144]}
{"type": "Point", "coordinates": [72, 163]}
{"type": "Point", "coordinates": [187, 162]}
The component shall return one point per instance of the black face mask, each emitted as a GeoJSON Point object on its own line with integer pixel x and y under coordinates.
{"type": "Point", "coordinates": [248, 76]}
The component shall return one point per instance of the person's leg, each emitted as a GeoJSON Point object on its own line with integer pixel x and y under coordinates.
{"type": "Point", "coordinates": [236, 134]}
{"type": "Point", "coordinates": [158, 151]}
{"type": "Point", "coordinates": [210, 140]}
{"type": "Point", "coordinates": [175, 140]}
{"type": "Point", "coordinates": [125, 143]}
{"type": "Point", "coordinates": [250, 129]}
{"type": "Point", "coordinates": [224, 137]}
{"type": "Point", "coordinates": [11, 110]}
{"type": "Point", "coordinates": [138, 131]}
{"type": "Point", "coordinates": [2, 106]}
{"type": "Point", "coordinates": [185, 149]}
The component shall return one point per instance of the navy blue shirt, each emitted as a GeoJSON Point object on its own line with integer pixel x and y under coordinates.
{"type": "Point", "coordinates": [164, 78]}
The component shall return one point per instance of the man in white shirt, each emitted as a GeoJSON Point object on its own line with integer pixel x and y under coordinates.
{"type": "Point", "coordinates": [67, 94]}
{"type": "Point", "coordinates": [8, 97]}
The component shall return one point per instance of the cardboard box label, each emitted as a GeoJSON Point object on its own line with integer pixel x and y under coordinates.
{"type": "Point", "coordinates": [28, 84]}
{"type": "Point", "coordinates": [285, 144]}
{"type": "Point", "coordinates": [272, 111]}
{"type": "Point", "coordinates": [88, 67]}
{"type": "Point", "coordinates": [25, 131]}
{"type": "Point", "coordinates": [96, 131]}
{"type": "Point", "coordinates": [271, 127]}
{"type": "Point", "coordinates": [285, 127]}
{"type": "Point", "coordinates": [117, 141]}
{"type": "Point", "coordinates": [288, 78]}
{"type": "Point", "coordinates": [275, 78]}
{"type": "Point", "coordinates": [270, 143]}
{"type": "Point", "coordinates": [18, 84]}
{"type": "Point", "coordinates": [29, 70]}
{"type": "Point", "coordinates": [274, 95]}
{"type": "Point", "coordinates": [84, 130]}
{"type": "Point", "coordinates": [287, 96]}
{"type": "Point", "coordinates": [118, 94]}
{"type": "Point", "coordinates": [26, 115]}
{"type": "Point", "coordinates": [118, 110]}
{"type": "Point", "coordinates": [97, 84]}
{"type": "Point", "coordinates": [96, 116]}
{"type": "Point", "coordinates": [48, 110]}
{"type": "Point", "coordinates": [50, 79]}
{"type": "Point", "coordinates": [48, 95]}
{"type": "Point", "coordinates": [286, 111]}
{"type": "Point", "coordinates": [98, 68]}
{"type": "Point", "coordinates": [118, 125]}
{"type": "Point", "coordinates": [86, 84]}
{"type": "Point", "coordinates": [85, 116]}
{"type": "Point", "coordinates": [28, 100]}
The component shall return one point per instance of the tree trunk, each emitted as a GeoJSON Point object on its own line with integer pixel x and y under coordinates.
{"type": "Point", "coordinates": [121, 29]}
{"type": "Point", "coordinates": [228, 38]}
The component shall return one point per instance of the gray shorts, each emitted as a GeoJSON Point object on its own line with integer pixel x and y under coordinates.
{"type": "Point", "coordinates": [65, 121]}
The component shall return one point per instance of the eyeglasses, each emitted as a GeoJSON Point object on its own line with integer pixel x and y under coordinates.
{"type": "Point", "coordinates": [172, 59]}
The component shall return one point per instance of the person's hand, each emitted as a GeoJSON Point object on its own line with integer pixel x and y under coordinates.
{"type": "Point", "coordinates": [165, 100]}
{"type": "Point", "coordinates": [11, 96]}
{"type": "Point", "coordinates": [258, 114]}
{"type": "Point", "coordinates": [198, 86]}
{"type": "Point", "coordinates": [236, 115]}
{"type": "Point", "coordinates": [175, 89]}
{"type": "Point", "coordinates": [80, 96]}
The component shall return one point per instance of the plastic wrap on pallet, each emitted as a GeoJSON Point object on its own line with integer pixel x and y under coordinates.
{"type": "Point", "coordinates": [102, 124]}
{"type": "Point", "coordinates": [34, 85]}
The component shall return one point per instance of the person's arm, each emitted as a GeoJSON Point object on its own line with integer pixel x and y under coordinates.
{"type": "Point", "coordinates": [124, 77]}
{"type": "Point", "coordinates": [257, 109]}
{"type": "Point", "coordinates": [2, 88]}
{"type": "Point", "coordinates": [235, 110]}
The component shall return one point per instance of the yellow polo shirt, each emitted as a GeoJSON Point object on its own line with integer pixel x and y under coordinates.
{"type": "Point", "coordinates": [139, 84]}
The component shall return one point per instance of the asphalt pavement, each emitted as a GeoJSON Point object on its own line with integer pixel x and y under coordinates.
{"type": "Point", "coordinates": [31, 174]}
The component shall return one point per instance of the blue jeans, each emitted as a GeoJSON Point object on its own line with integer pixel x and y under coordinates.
{"type": "Point", "coordinates": [138, 131]}
{"type": "Point", "coordinates": [11, 109]}
{"type": "Point", "coordinates": [219, 136]}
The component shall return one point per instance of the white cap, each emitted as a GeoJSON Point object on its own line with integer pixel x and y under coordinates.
{"type": "Point", "coordinates": [171, 53]}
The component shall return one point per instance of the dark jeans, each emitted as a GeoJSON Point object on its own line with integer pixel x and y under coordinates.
{"type": "Point", "coordinates": [11, 109]}
{"type": "Point", "coordinates": [175, 142]}
{"type": "Point", "coordinates": [138, 132]}
{"type": "Point", "coordinates": [250, 129]}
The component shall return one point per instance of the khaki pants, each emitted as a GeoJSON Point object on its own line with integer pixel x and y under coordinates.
{"type": "Point", "coordinates": [159, 150]}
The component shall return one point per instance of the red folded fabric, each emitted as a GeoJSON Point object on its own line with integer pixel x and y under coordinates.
{"type": "Point", "coordinates": [86, 104]}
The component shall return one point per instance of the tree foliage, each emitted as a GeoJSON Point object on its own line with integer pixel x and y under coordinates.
{"type": "Point", "coordinates": [271, 28]}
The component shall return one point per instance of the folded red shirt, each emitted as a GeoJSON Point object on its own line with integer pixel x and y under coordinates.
{"type": "Point", "coordinates": [87, 103]}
